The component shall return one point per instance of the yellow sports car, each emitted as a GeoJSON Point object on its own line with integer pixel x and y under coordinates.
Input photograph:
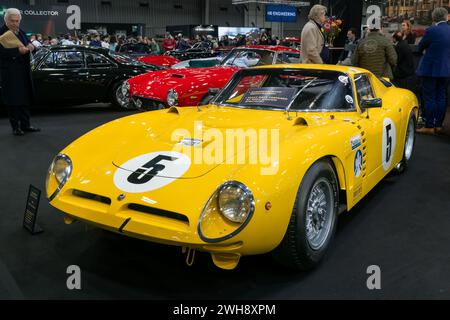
{"type": "Point", "coordinates": [267, 166]}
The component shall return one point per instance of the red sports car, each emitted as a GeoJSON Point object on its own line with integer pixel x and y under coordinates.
{"type": "Point", "coordinates": [164, 61]}
{"type": "Point", "coordinates": [190, 87]}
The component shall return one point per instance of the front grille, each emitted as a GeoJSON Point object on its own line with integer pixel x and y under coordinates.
{"type": "Point", "coordinates": [158, 212]}
{"type": "Point", "coordinates": [148, 104]}
{"type": "Point", "coordinates": [91, 196]}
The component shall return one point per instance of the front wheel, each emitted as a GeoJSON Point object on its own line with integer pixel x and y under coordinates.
{"type": "Point", "coordinates": [313, 219]}
{"type": "Point", "coordinates": [118, 99]}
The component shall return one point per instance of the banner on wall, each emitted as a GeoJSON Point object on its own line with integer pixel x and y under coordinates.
{"type": "Point", "coordinates": [281, 13]}
{"type": "Point", "coordinates": [48, 20]}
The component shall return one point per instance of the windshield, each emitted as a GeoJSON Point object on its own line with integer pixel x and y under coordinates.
{"type": "Point", "coordinates": [120, 58]}
{"type": "Point", "coordinates": [246, 58]}
{"type": "Point", "coordinates": [38, 56]}
{"type": "Point", "coordinates": [296, 90]}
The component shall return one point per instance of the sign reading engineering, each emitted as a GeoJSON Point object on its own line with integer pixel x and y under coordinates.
{"type": "Point", "coordinates": [281, 13]}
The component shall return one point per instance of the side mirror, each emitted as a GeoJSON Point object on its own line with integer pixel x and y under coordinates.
{"type": "Point", "coordinates": [371, 103]}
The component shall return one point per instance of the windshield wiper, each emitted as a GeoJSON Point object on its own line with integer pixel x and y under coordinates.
{"type": "Point", "coordinates": [298, 94]}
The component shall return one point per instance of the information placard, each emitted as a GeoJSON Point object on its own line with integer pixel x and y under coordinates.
{"type": "Point", "coordinates": [31, 210]}
{"type": "Point", "coordinates": [270, 96]}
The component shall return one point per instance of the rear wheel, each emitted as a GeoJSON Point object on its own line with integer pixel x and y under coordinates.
{"type": "Point", "coordinates": [313, 219]}
{"type": "Point", "coordinates": [409, 144]}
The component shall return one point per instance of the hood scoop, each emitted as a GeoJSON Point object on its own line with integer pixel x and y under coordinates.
{"type": "Point", "coordinates": [300, 121]}
{"type": "Point", "coordinates": [178, 76]}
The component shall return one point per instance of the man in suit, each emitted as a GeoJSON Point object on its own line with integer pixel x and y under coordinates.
{"type": "Point", "coordinates": [15, 76]}
{"type": "Point", "coordinates": [434, 68]}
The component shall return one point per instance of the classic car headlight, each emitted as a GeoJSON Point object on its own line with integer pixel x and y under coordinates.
{"type": "Point", "coordinates": [235, 201]}
{"type": "Point", "coordinates": [172, 98]}
{"type": "Point", "coordinates": [58, 174]}
{"type": "Point", "coordinates": [226, 213]}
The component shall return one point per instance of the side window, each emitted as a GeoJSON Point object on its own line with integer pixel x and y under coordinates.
{"type": "Point", "coordinates": [63, 60]}
{"type": "Point", "coordinates": [363, 88]}
{"type": "Point", "coordinates": [95, 60]}
{"type": "Point", "coordinates": [288, 57]}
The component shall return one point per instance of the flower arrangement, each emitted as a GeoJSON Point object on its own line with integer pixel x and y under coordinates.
{"type": "Point", "coordinates": [331, 29]}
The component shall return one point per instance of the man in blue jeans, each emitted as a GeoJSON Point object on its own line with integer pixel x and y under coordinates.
{"type": "Point", "coordinates": [434, 68]}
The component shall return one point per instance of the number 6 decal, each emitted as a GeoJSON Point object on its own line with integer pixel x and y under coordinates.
{"type": "Point", "coordinates": [151, 171]}
{"type": "Point", "coordinates": [388, 143]}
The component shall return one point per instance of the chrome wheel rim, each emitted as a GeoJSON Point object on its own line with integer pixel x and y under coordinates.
{"type": "Point", "coordinates": [319, 213]}
{"type": "Point", "coordinates": [409, 144]}
{"type": "Point", "coordinates": [120, 98]}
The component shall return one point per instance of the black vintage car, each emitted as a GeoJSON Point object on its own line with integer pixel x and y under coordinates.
{"type": "Point", "coordinates": [76, 74]}
{"type": "Point", "coordinates": [199, 50]}
{"type": "Point", "coordinates": [135, 50]}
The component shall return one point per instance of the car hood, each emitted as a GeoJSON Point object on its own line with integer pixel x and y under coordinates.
{"type": "Point", "coordinates": [190, 132]}
{"type": "Point", "coordinates": [157, 84]}
{"type": "Point", "coordinates": [165, 61]}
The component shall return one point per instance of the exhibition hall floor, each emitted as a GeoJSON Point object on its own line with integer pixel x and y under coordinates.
{"type": "Point", "coordinates": [402, 226]}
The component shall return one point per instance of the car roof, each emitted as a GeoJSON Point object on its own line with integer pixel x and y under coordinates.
{"type": "Point", "coordinates": [273, 48]}
{"type": "Point", "coordinates": [326, 67]}
{"type": "Point", "coordinates": [59, 47]}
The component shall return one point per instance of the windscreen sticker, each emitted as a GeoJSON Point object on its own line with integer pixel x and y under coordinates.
{"type": "Point", "coordinates": [358, 164]}
{"type": "Point", "coordinates": [343, 79]}
{"type": "Point", "coordinates": [151, 171]}
{"type": "Point", "coordinates": [349, 99]}
{"type": "Point", "coordinates": [389, 141]}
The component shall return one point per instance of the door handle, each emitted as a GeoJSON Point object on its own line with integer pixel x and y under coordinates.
{"type": "Point", "coordinates": [83, 73]}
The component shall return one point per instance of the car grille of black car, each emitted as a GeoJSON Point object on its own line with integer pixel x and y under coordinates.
{"type": "Point", "coordinates": [148, 104]}
{"type": "Point", "coordinates": [158, 212]}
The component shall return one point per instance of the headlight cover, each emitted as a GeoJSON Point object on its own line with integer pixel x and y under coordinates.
{"type": "Point", "coordinates": [235, 202]}
{"type": "Point", "coordinates": [172, 98]}
{"type": "Point", "coordinates": [58, 174]}
{"type": "Point", "coordinates": [226, 213]}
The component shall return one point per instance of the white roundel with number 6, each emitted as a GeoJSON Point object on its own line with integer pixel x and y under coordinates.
{"type": "Point", "coordinates": [389, 143]}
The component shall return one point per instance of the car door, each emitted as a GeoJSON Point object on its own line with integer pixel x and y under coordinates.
{"type": "Point", "coordinates": [379, 130]}
{"type": "Point", "coordinates": [101, 72]}
{"type": "Point", "coordinates": [60, 77]}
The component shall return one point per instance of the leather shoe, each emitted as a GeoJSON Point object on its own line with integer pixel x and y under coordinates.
{"type": "Point", "coordinates": [18, 132]}
{"type": "Point", "coordinates": [31, 129]}
{"type": "Point", "coordinates": [429, 131]}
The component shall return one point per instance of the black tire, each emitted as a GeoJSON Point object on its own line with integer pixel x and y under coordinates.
{"type": "Point", "coordinates": [113, 94]}
{"type": "Point", "coordinates": [295, 250]}
{"type": "Point", "coordinates": [408, 146]}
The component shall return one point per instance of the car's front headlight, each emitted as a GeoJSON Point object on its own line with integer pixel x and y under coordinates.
{"type": "Point", "coordinates": [235, 202]}
{"type": "Point", "coordinates": [226, 213]}
{"type": "Point", "coordinates": [58, 174]}
{"type": "Point", "coordinates": [172, 98]}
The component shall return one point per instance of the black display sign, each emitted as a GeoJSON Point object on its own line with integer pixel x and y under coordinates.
{"type": "Point", "coordinates": [31, 210]}
{"type": "Point", "coordinates": [269, 96]}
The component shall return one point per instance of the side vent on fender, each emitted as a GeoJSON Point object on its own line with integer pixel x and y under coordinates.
{"type": "Point", "coordinates": [300, 121]}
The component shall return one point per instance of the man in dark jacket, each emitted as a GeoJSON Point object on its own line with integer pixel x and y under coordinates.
{"type": "Point", "coordinates": [405, 66]}
{"type": "Point", "coordinates": [376, 54]}
{"type": "Point", "coordinates": [15, 76]}
{"type": "Point", "coordinates": [434, 68]}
